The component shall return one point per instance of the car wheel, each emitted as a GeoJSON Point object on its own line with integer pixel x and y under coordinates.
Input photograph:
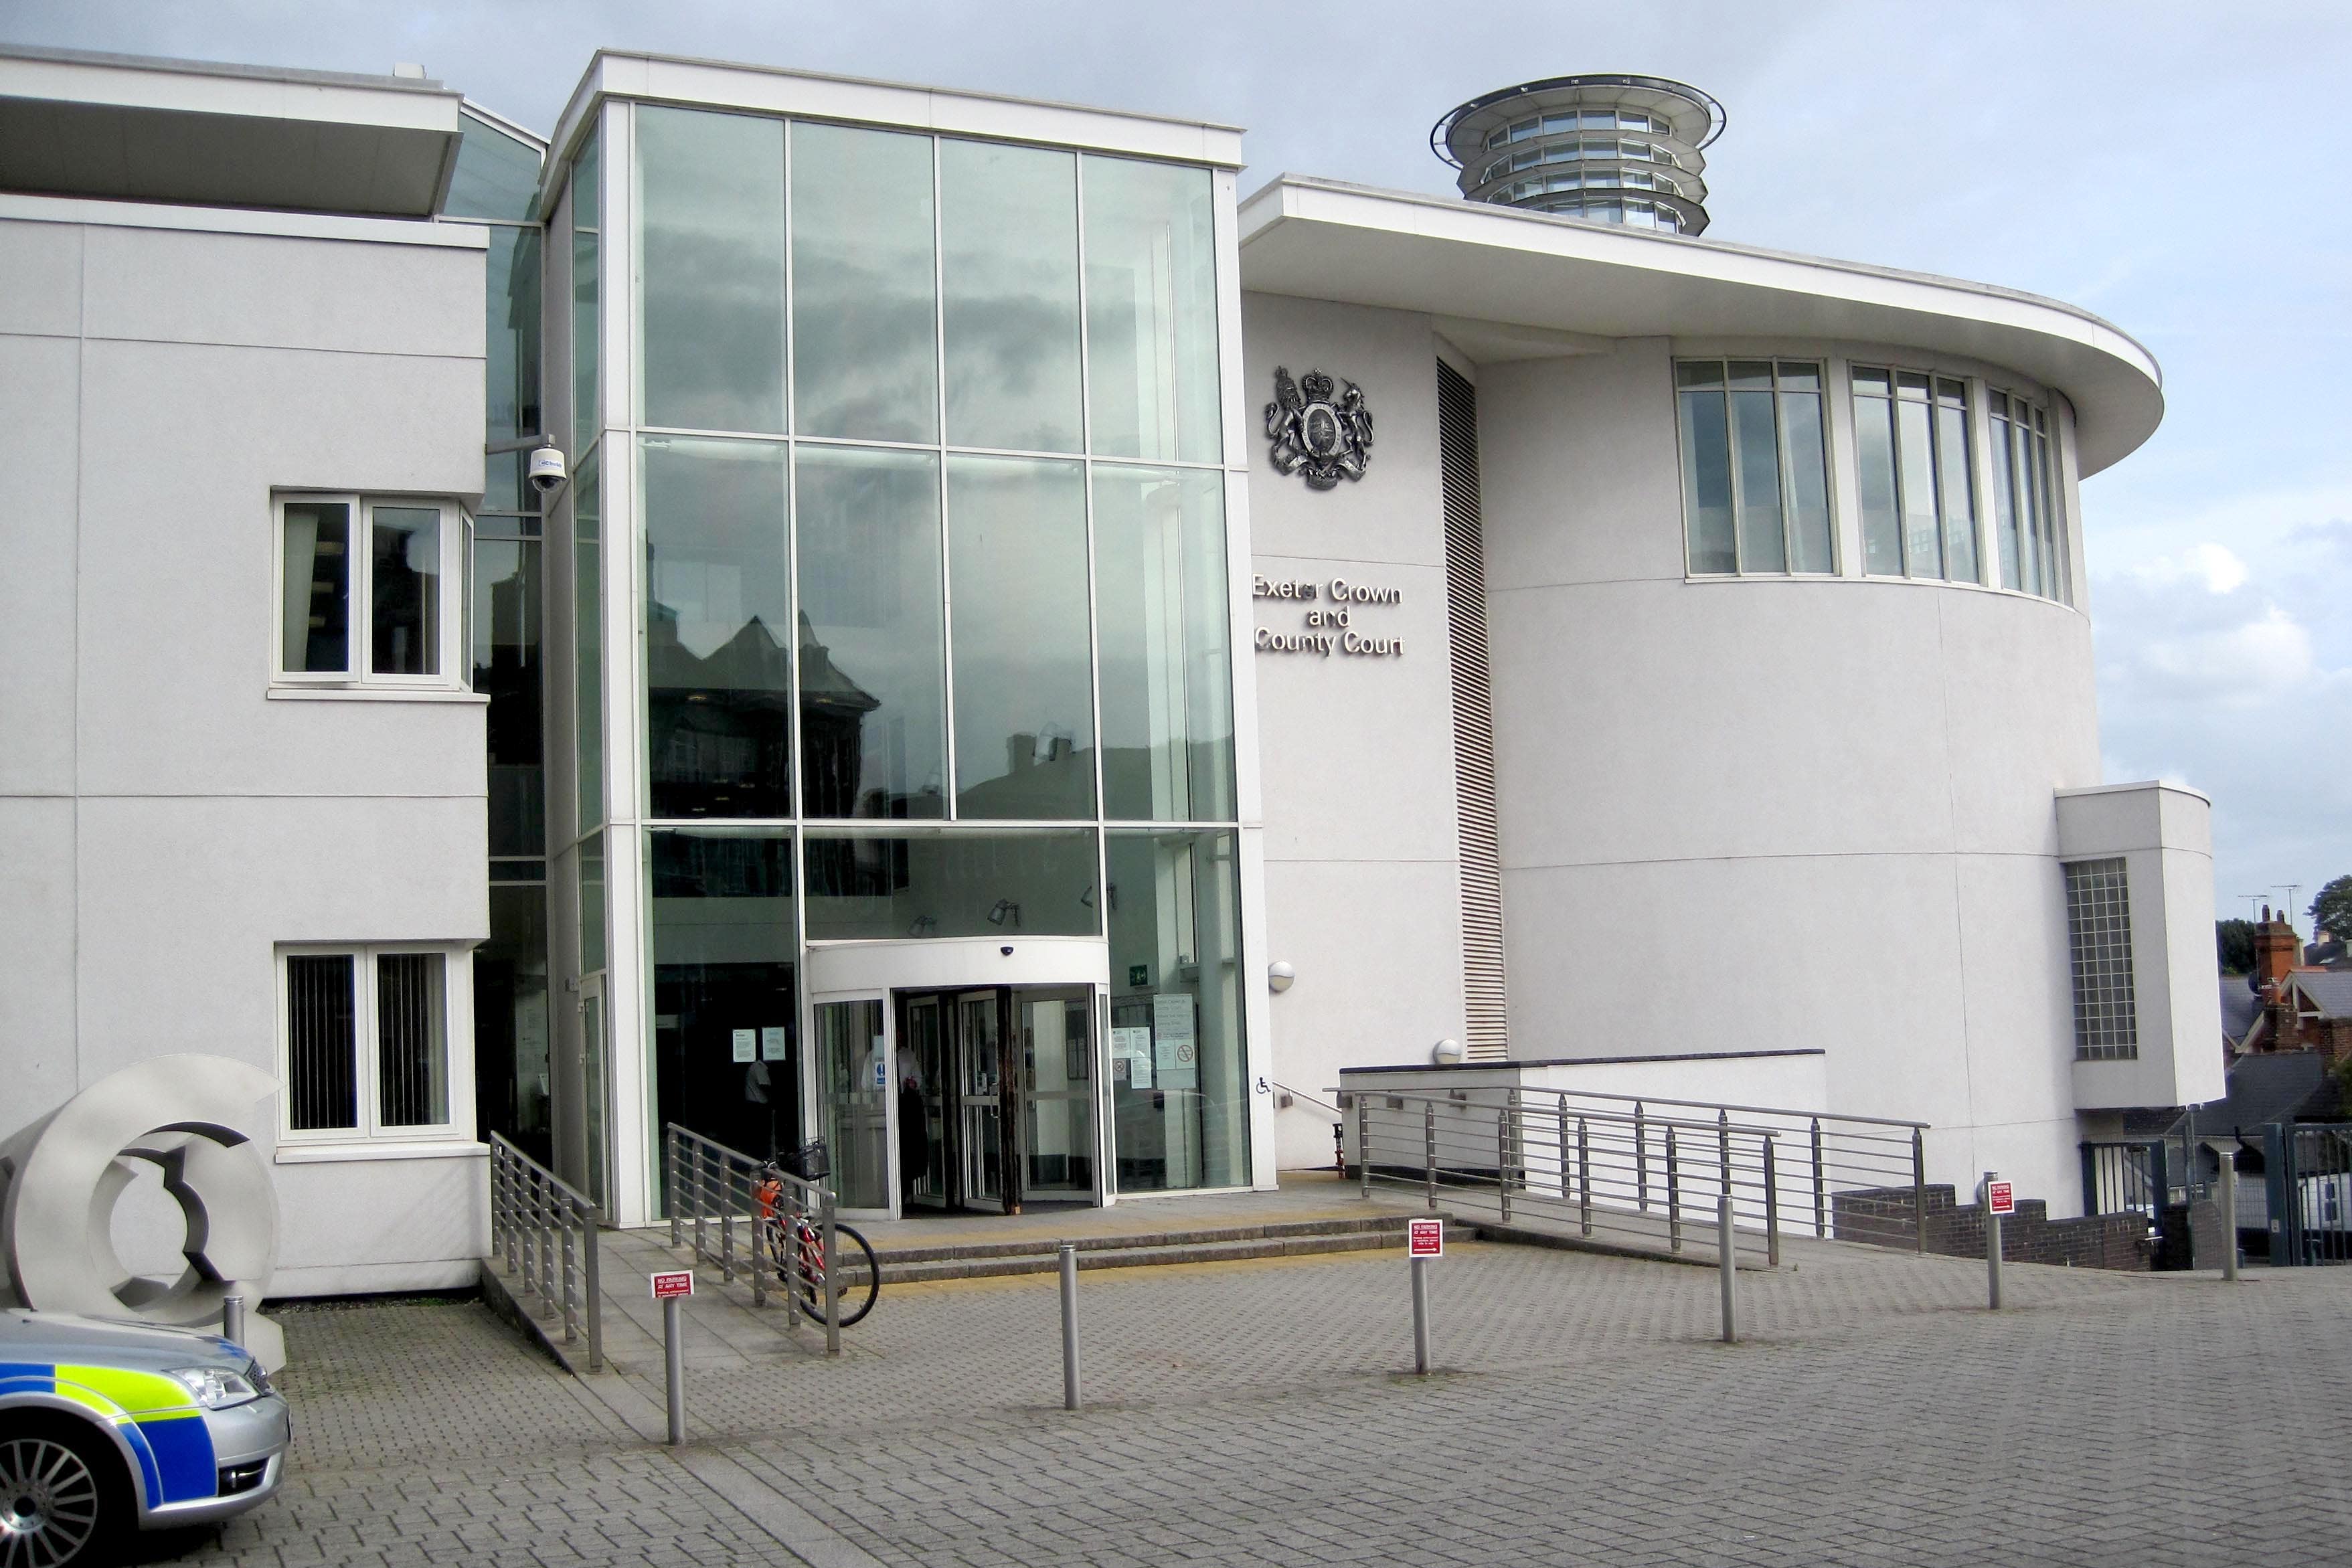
{"type": "Point", "coordinates": [63, 1495]}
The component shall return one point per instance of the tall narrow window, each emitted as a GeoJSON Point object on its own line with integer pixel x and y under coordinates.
{"type": "Point", "coordinates": [1755, 470]}
{"type": "Point", "coordinates": [1151, 310]}
{"type": "Point", "coordinates": [2035, 557]}
{"type": "Point", "coordinates": [317, 595]}
{"type": "Point", "coordinates": [405, 590]}
{"type": "Point", "coordinates": [2099, 942]}
{"type": "Point", "coordinates": [864, 304]}
{"type": "Point", "coordinates": [588, 645]}
{"type": "Point", "coordinates": [411, 1041]}
{"type": "Point", "coordinates": [1163, 625]}
{"type": "Point", "coordinates": [587, 411]}
{"type": "Point", "coordinates": [1918, 486]}
{"type": "Point", "coordinates": [1009, 267]}
{"type": "Point", "coordinates": [322, 1044]}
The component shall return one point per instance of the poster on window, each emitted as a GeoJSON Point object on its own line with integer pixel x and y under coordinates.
{"type": "Point", "coordinates": [1175, 1050]}
{"type": "Point", "coordinates": [771, 1042]}
{"type": "Point", "coordinates": [747, 1045]}
{"type": "Point", "coordinates": [1130, 1056]}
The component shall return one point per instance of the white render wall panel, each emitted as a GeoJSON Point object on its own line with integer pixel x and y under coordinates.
{"type": "Point", "coordinates": [40, 387]}
{"type": "Point", "coordinates": [383, 1224]}
{"type": "Point", "coordinates": [40, 278]}
{"type": "Point", "coordinates": [37, 981]}
{"type": "Point", "coordinates": [259, 291]}
{"type": "Point", "coordinates": [1362, 857]}
{"type": "Point", "coordinates": [1609, 486]}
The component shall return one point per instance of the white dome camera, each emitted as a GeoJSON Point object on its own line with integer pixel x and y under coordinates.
{"type": "Point", "coordinates": [547, 469]}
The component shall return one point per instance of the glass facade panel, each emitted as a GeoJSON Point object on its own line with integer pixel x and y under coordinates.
{"type": "Point", "coordinates": [726, 997]}
{"type": "Point", "coordinates": [592, 904]}
{"type": "Point", "coordinates": [1755, 468]}
{"type": "Point", "coordinates": [1164, 640]}
{"type": "Point", "coordinates": [711, 210]}
{"type": "Point", "coordinates": [496, 175]}
{"type": "Point", "coordinates": [1036, 882]}
{"type": "Point", "coordinates": [718, 618]}
{"type": "Point", "coordinates": [511, 338]}
{"type": "Point", "coordinates": [1874, 440]}
{"type": "Point", "coordinates": [1804, 444]}
{"type": "Point", "coordinates": [405, 590]}
{"type": "Point", "coordinates": [1009, 268]}
{"type": "Point", "coordinates": [315, 598]}
{"type": "Point", "coordinates": [588, 645]}
{"type": "Point", "coordinates": [1021, 638]}
{"type": "Point", "coordinates": [853, 1075]}
{"type": "Point", "coordinates": [1151, 310]}
{"type": "Point", "coordinates": [587, 412]}
{"type": "Point", "coordinates": [865, 297]}
{"type": "Point", "coordinates": [513, 1089]}
{"type": "Point", "coordinates": [507, 667]}
{"type": "Point", "coordinates": [873, 661]}
{"type": "Point", "coordinates": [1179, 1075]}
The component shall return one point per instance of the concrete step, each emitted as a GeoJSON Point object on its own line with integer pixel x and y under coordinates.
{"type": "Point", "coordinates": [1388, 1226]}
{"type": "Point", "coordinates": [1125, 1252]}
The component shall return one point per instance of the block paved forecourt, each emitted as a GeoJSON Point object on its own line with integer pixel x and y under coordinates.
{"type": "Point", "coordinates": [1253, 1413]}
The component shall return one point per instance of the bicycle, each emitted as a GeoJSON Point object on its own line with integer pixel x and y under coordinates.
{"type": "Point", "coordinates": [860, 1284]}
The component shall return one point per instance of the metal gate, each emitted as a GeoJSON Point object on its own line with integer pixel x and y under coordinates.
{"type": "Point", "coordinates": [2308, 1170]}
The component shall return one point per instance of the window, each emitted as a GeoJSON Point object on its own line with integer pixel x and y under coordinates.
{"type": "Point", "coordinates": [2098, 941]}
{"type": "Point", "coordinates": [1918, 484]}
{"type": "Point", "coordinates": [2029, 533]}
{"type": "Point", "coordinates": [1755, 477]}
{"type": "Point", "coordinates": [367, 1040]}
{"type": "Point", "coordinates": [366, 591]}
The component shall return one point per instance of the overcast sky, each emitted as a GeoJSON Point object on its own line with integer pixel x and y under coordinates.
{"type": "Point", "coordinates": [2178, 169]}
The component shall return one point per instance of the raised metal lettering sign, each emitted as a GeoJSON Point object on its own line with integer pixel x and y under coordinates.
{"type": "Point", "coordinates": [1323, 438]}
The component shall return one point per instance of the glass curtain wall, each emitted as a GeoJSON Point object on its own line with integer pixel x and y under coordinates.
{"type": "Point", "coordinates": [1755, 466]}
{"type": "Point", "coordinates": [495, 185]}
{"type": "Point", "coordinates": [948, 410]}
{"type": "Point", "coordinates": [1918, 484]}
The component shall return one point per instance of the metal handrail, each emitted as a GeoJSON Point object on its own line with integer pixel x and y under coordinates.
{"type": "Point", "coordinates": [707, 1181]}
{"type": "Point", "coordinates": [543, 1232]}
{"type": "Point", "coordinates": [1861, 1179]}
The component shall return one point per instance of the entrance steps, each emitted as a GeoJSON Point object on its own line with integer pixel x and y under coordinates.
{"type": "Point", "coordinates": [905, 1262]}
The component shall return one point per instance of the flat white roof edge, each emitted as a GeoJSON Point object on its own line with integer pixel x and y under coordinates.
{"type": "Point", "coordinates": [1480, 222]}
{"type": "Point", "coordinates": [197, 87]}
{"type": "Point", "coordinates": [451, 233]}
{"type": "Point", "coordinates": [2134, 789]}
{"type": "Point", "coordinates": [725, 85]}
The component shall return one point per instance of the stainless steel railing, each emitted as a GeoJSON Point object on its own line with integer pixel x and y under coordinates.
{"type": "Point", "coordinates": [543, 1234]}
{"type": "Point", "coordinates": [1844, 1178]}
{"type": "Point", "coordinates": [1639, 1168]}
{"type": "Point", "coordinates": [1632, 1177]}
{"type": "Point", "coordinates": [712, 1187]}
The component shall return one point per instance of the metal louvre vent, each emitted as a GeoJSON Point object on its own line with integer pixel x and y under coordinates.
{"type": "Point", "coordinates": [1473, 719]}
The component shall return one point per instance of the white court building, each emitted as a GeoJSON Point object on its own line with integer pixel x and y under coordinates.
{"type": "Point", "coordinates": [1015, 599]}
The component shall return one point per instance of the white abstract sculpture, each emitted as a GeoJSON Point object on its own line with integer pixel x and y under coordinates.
{"type": "Point", "coordinates": [61, 1176]}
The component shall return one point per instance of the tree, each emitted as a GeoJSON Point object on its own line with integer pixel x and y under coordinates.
{"type": "Point", "coordinates": [2332, 911]}
{"type": "Point", "coordinates": [2235, 940]}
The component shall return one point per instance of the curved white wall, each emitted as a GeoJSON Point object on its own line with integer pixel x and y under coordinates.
{"type": "Point", "coordinates": [1767, 812]}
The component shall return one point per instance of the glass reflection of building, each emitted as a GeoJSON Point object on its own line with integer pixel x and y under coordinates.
{"type": "Point", "coordinates": [902, 546]}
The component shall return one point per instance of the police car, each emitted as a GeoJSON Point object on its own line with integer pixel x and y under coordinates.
{"type": "Point", "coordinates": [106, 1427]}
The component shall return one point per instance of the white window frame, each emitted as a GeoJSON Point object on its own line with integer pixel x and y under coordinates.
{"type": "Point", "coordinates": [457, 532]}
{"type": "Point", "coordinates": [456, 1033]}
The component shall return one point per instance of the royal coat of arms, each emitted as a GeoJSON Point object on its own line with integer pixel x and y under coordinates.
{"type": "Point", "coordinates": [1323, 438]}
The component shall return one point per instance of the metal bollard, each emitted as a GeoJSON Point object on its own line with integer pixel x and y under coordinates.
{"type": "Point", "coordinates": [1420, 1316]}
{"type": "Point", "coordinates": [1992, 1245]}
{"type": "Point", "coordinates": [673, 1370]}
{"type": "Point", "coordinates": [233, 1320]}
{"type": "Point", "coordinates": [1070, 1260]}
{"type": "Point", "coordinates": [2229, 1216]}
{"type": "Point", "coordinates": [1726, 1266]}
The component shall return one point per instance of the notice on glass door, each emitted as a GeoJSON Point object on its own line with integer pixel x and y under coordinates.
{"type": "Point", "coordinates": [1175, 1056]}
{"type": "Point", "coordinates": [771, 1042]}
{"type": "Point", "coordinates": [747, 1045]}
{"type": "Point", "coordinates": [1130, 1056]}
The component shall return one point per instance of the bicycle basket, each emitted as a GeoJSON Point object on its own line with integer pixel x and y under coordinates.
{"type": "Point", "coordinates": [810, 1162]}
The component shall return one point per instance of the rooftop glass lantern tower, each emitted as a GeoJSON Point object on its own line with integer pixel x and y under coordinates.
{"type": "Point", "coordinates": [1607, 149]}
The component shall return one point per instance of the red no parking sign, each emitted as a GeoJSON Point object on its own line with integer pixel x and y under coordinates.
{"type": "Point", "coordinates": [1425, 1238]}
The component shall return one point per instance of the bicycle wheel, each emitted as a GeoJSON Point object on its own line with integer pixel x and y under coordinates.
{"type": "Point", "coordinates": [860, 1278]}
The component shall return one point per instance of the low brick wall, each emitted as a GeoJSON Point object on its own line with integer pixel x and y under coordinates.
{"type": "Point", "coordinates": [1882, 1217]}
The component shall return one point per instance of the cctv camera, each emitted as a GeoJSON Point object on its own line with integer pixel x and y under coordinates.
{"type": "Point", "coordinates": [547, 469]}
